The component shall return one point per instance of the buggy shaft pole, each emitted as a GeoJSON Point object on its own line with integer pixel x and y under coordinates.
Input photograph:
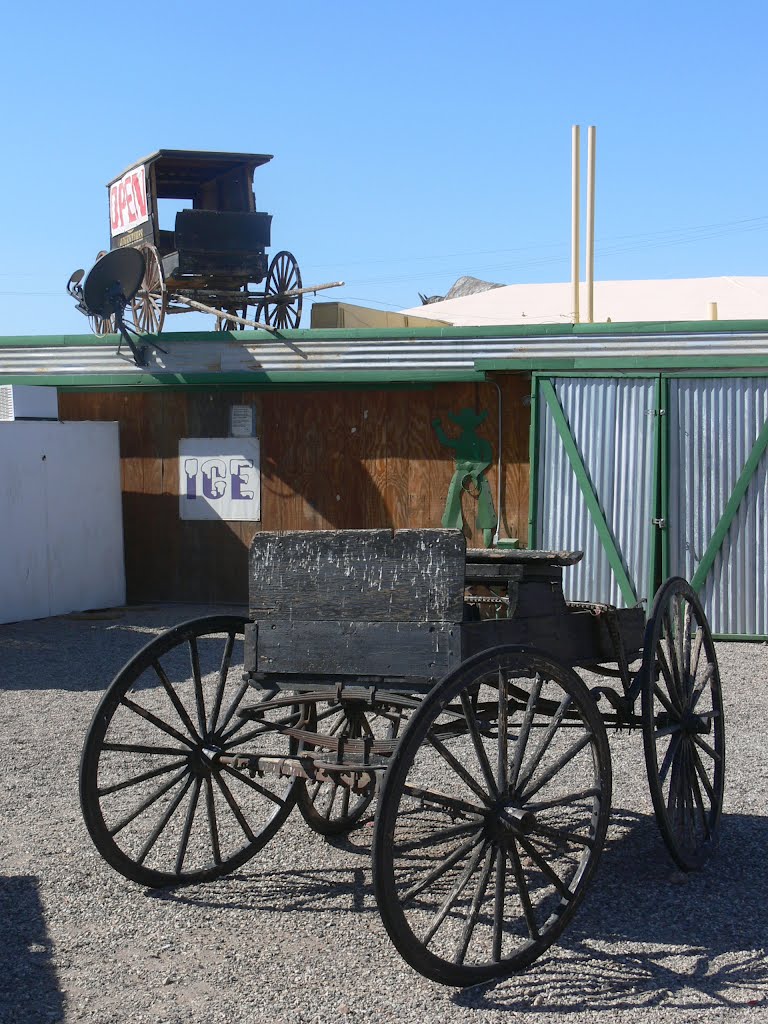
{"type": "Point", "coordinates": [222, 313]}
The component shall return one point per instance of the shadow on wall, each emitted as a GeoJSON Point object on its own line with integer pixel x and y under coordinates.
{"type": "Point", "coordinates": [28, 987]}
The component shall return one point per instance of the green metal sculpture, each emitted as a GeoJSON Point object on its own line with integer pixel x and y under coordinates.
{"type": "Point", "coordinates": [474, 456]}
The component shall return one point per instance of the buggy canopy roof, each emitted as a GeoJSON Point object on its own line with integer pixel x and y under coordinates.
{"type": "Point", "coordinates": [180, 173]}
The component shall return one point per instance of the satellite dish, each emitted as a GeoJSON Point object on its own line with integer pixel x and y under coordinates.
{"type": "Point", "coordinates": [108, 288]}
{"type": "Point", "coordinates": [113, 282]}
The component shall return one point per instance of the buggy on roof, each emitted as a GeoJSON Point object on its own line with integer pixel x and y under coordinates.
{"type": "Point", "coordinates": [193, 217]}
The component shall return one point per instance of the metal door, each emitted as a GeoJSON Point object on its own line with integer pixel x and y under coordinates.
{"type": "Point", "coordinates": [594, 482]}
{"type": "Point", "coordinates": [718, 498]}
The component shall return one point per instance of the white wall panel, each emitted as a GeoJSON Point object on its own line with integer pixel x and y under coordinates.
{"type": "Point", "coordinates": [61, 546]}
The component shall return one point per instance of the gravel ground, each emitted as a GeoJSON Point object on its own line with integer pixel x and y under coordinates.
{"type": "Point", "coordinates": [294, 935]}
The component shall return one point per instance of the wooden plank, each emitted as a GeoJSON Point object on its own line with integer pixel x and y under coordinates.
{"type": "Point", "coordinates": [360, 575]}
{"type": "Point", "coordinates": [420, 650]}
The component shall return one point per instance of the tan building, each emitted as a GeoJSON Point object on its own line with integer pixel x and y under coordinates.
{"type": "Point", "coordinates": [734, 298]}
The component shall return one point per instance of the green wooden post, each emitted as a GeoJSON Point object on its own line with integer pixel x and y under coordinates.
{"type": "Point", "coordinates": [533, 464]}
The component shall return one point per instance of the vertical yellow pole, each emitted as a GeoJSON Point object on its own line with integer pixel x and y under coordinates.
{"type": "Point", "coordinates": [575, 227]}
{"type": "Point", "coordinates": [713, 311]}
{"type": "Point", "coordinates": [591, 224]}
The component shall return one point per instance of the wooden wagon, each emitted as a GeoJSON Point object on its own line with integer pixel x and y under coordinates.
{"type": "Point", "coordinates": [445, 681]}
{"type": "Point", "coordinates": [193, 217]}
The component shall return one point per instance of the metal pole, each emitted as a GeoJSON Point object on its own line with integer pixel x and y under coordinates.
{"type": "Point", "coordinates": [591, 224]}
{"type": "Point", "coordinates": [575, 221]}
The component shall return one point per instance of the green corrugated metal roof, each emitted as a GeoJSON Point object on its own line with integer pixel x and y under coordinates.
{"type": "Point", "coordinates": [394, 356]}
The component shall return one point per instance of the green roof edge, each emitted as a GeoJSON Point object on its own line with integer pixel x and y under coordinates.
{"type": "Point", "coordinates": [671, 327]}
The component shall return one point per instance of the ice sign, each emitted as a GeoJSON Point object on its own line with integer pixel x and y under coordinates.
{"type": "Point", "coordinates": [219, 478]}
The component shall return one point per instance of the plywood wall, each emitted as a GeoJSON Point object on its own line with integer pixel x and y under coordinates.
{"type": "Point", "coordinates": [330, 460]}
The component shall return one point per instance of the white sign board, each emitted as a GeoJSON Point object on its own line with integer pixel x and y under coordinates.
{"type": "Point", "coordinates": [128, 201]}
{"type": "Point", "coordinates": [219, 478]}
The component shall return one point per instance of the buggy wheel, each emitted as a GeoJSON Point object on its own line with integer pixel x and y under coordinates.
{"type": "Point", "coordinates": [223, 323]}
{"type": "Point", "coordinates": [101, 326]}
{"type": "Point", "coordinates": [150, 302]}
{"type": "Point", "coordinates": [283, 276]}
{"type": "Point", "coordinates": [683, 728]}
{"type": "Point", "coordinates": [329, 807]}
{"type": "Point", "coordinates": [492, 817]}
{"type": "Point", "coordinates": [159, 801]}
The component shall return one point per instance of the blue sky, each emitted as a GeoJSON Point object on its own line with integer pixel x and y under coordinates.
{"type": "Point", "coordinates": [413, 142]}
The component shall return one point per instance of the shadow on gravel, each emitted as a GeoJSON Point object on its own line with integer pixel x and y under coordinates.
{"type": "Point", "coordinates": [83, 652]}
{"type": "Point", "coordinates": [29, 992]}
{"type": "Point", "coordinates": [646, 935]}
{"type": "Point", "coordinates": [649, 935]}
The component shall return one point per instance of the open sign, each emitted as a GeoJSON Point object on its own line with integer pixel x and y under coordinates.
{"type": "Point", "coordinates": [128, 201]}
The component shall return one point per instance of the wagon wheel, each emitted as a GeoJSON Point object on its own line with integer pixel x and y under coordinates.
{"type": "Point", "coordinates": [332, 808]}
{"type": "Point", "coordinates": [225, 324]}
{"type": "Point", "coordinates": [101, 326]}
{"type": "Point", "coordinates": [492, 816]}
{"type": "Point", "coordinates": [149, 306]}
{"type": "Point", "coordinates": [683, 728]}
{"type": "Point", "coordinates": [283, 276]}
{"type": "Point", "coordinates": [160, 806]}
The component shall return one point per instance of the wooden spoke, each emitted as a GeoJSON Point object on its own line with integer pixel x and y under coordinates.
{"type": "Point", "coordinates": [502, 761]}
{"type": "Point", "coordinates": [147, 802]}
{"type": "Point", "coordinates": [194, 658]}
{"type": "Point", "coordinates": [186, 831]}
{"type": "Point", "coordinates": [158, 723]}
{"type": "Point", "coordinates": [474, 910]}
{"type": "Point", "coordinates": [136, 780]}
{"type": "Point", "coordinates": [462, 772]}
{"type": "Point", "coordinates": [156, 832]}
{"type": "Point", "coordinates": [439, 870]}
{"type": "Point", "coordinates": [226, 659]}
{"type": "Point", "coordinates": [174, 699]}
{"type": "Point", "coordinates": [560, 763]}
{"type": "Point", "coordinates": [522, 885]}
{"type": "Point", "coordinates": [545, 742]}
{"type": "Point", "coordinates": [454, 894]}
{"type": "Point", "coordinates": [477, 743]}
{"type": "Point", "coordinates": [525, 730]}
{"type": "Point", "coordinates": [213, 827]}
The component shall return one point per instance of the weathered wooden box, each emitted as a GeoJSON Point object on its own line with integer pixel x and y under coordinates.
{"type": "Point", "coordinates": [368, 603]}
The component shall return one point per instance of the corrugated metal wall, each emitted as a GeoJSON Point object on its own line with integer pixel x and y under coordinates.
{"type": "Point", "coordinates": [713, 425]}
{"type": "Point", "coordinates": [612, 423]}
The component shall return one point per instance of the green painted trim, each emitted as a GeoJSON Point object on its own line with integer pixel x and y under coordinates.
{"type": "Point", "coordinates": [656, 488]}
{"type": "Point", "coordinates": [585, 485]}
{"type": "Point", "coordinates": [629, 363]}
{"type": "Point", "coordinates": [665, 442]}
{"type": "Point", "coordinates": [246, 380]}
{"type": "Point", "coordinates": [641, 328]}
{"type": "Point", "coordinates": [750, 467]}
{"type": "Point", "coordinates": [746, 638]}
{"type": "Point", "coordinates": [533, 465]}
